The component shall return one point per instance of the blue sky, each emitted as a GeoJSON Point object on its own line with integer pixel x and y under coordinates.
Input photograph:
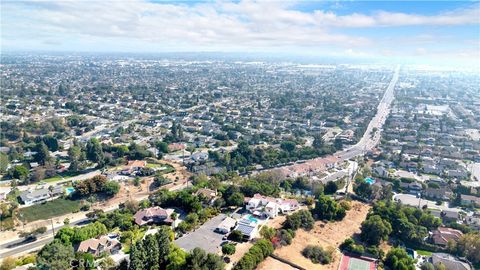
{"type": "Point", "coordinates": [424, 32]}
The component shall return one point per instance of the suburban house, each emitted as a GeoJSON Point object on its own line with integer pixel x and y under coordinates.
{"type": "Point", "coordinates": [438, 193]}
{"type": "Point", "coordinates": [133, 166]}
{"type": "Point", "coordinates": [442, 236]}
{"type": "Point", "coordinates": [264, 206]}
{"type": "Point", "coordinates": [153, 215]}
{"type": "Point", "coordinates": [209, 194]}
{"type": "Point", "coordinates": [226, 225]}
{"type": "Point", "coordinates": [97, 246]}
{"type": "Point", "coordinates": [30, 197]}
{"type": "Point", "coordinates": [248, 228]}
{"type": "Point", "coordinates": [468, 200]}
{"type": "Point", "coordinates": [450, 262]}
{"type": "Point", "coordinates": [380, 171]}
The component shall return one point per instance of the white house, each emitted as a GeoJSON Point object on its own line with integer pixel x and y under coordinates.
{"type": "Point", "coordinates": [226, 225]}
{"type": "Point", "coordinates": [270, 207]}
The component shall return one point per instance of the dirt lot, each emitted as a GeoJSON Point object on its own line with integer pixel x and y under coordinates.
{"type": "Point", "coordinates": [323, 234]}
{"type": "Point", "coordinates": [271, 263]}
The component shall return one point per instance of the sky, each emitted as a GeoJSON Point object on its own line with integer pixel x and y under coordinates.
{"type": "Point", "coordinates": [424, 32]}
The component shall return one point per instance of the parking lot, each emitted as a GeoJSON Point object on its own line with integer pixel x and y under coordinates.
{"type": "Point", "coordinates": [204, 237]}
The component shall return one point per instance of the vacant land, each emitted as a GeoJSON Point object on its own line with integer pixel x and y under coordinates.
{"type": "Point", "coordinates": [323, 234]}
{"type": "Point", "coordinates": [271, 263]}
{"type": "Point", "coordinates": [49, 209]}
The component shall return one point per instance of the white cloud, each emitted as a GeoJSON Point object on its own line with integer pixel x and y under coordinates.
{"type": "Point", "coordinates": [222, 25]}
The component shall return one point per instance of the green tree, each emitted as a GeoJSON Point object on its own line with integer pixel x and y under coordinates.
{"type": "Point", "coordinates": [328, 209]}
{"type": "Point", "coordinates": [74, 154]}
{"type": "Point", "coordinates": [288, 146]}
{"type": "Point", "coordinates": [55, 256]}
{"type": "Point", "coordinates": [138, 257]}
{"type": "Point", "coordinates": [111, 188]}
{"type": "Point", "coordinates": [300, 219]}
{"type": "Point", "coordinates": [331, 187]}
{"type": "Point", "coordinates": [398, 259]}
{"type": "Point", "coordinates": [318, 141]}
{"type": "Point", "coordinates": [268, 232]}
{"type": "Point", "coordinates": [19, 172]}
{"type": "Point", "coordinates": [198, 259]}
{"type": "Point", "coordinates": [94, 152]}
{"type": "Point", "coordinates": [363, 189]}
{"type": "Point", "coordinates": [375, 229]}
{"type": "Point", "coordinates": [469, 246]}
{"type": "Point", "coordinates": [4, 161]}
{"type": "Point", "coordinates": [43, 155]}
{"type": "Point", "coordinates": [152, 261]}
{"type": "Point", "coordinates": [163, 240]}
{"type": "Point", "coordinates": [236, 199]}
{"type": "Point", "coordinates": [228, 249]}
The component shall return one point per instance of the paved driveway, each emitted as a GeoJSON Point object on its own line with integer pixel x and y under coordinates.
{"type": "Point", "coordinates": [204, 237]}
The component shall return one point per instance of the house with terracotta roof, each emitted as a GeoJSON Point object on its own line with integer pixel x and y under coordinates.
{"type": "Point", "coordinates": [133, 166]}
{"type": "Point", "coordinates": [97, 246]}
{"type": "Point", "coordinates": [442, 236]}
{"type": "Point", "coordinates": [265, 206]}
{"type": "Point", "coordinates": [153, 215]}
{"type": "Point", "coordinates": [209, 194]}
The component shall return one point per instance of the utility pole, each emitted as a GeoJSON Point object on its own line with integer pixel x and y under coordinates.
{"type": "Point", "coordinates": [53, 229]}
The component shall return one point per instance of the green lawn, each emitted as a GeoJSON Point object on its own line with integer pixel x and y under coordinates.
{"type": "Point", "coordinates": [52, 179]}
{"type": "Point", "coordinates": [423, 252]}
{"type": "Point", "coordinates": [49, 209]}
{"type": "Point", "coordinates": [166, 167]}
{"type": "Point", "coordinates": [58, 177]}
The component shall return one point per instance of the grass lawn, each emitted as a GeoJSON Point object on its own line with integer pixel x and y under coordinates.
{"type": "Point", "coordinates": [167, 168]}
{"type": "Point", "coordinates": [58, 177]}
{"type": "Point", "coordinates": [423, 252]}
{"type": "Point", "coordinates": [49, 209]}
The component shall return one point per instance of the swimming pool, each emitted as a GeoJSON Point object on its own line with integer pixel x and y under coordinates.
{"type": "Point", "coordinates": [369, 180]}
{"type": "Point", "coordinates": [251, 218]}
{"type": "Point", "coordinates": [70, 190]}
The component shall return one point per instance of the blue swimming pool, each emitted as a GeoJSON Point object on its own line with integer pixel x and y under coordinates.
{"type": "Point", "coordinates": [369, 180]}
{"type": "Point", "coordinates": [69, 190]}
{"type": "Point", "coordinates": [251, 218]}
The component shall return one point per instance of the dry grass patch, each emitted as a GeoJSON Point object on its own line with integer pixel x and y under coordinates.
{"type": "Point", "coordinates": [326, 235]}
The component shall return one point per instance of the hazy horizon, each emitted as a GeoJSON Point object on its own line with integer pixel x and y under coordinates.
{"type": "Point", "coordinates": [444, 33]}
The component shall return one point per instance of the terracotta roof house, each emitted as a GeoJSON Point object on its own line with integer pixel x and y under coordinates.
{"type": "Point", "coordinates": [151, 215]}
{"type": "Point", "coordinates": [97, 246]}
{"type": "Point", "coordinates": [442, 235]}
{"type": "Point", "coordinates": [210, 194]}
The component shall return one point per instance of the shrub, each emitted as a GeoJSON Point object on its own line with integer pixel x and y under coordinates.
{"type": "Point", "coordinates": [302, 218]}
{"type": "Point", "coordinates": [256, 254]}
{"type": "Point", "coordinates": [235, 235]}
{"type": "Point", "coordinates": [228, 249]}
{"type": "Point", "coordinates": [317, 254]}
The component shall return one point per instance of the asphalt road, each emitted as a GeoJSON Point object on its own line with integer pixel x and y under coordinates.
{"type": "Point", "coordinates": [20, 246]}
{"type": "Point", "coordinates": [370, 139]}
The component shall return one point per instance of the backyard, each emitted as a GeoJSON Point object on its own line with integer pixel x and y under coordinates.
{"type": "Point", "coordinates": [49, 209]}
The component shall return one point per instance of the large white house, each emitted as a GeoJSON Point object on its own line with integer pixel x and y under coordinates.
{"type": "Point", "coordinates": [265, 206]}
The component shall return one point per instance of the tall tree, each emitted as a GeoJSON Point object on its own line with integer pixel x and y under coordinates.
{"type": "Point", "coordinates": [152, 248]}
{"type": "Point", "coordinates": [43, 155]}
{"type": "Point", "coordinates": [74, 154]}
{"type": "Point", "coordinates": [95, 152]}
